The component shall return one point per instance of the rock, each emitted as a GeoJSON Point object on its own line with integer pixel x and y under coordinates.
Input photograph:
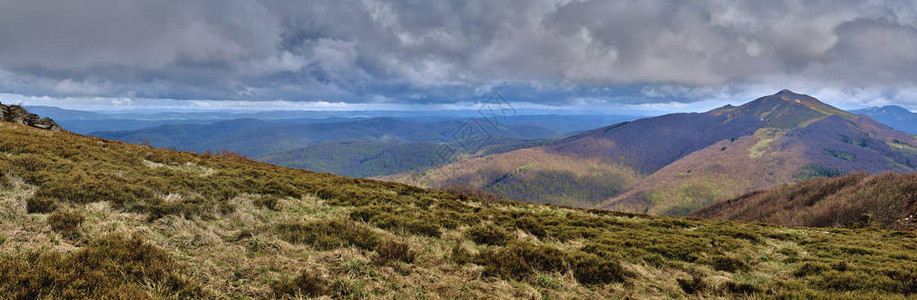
{"type": "Point", "coordinates": [17, 114]}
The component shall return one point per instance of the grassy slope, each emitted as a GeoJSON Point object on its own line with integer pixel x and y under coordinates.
{"type": "Point", "coordinates": [532, 174]}
{"type": "Point", "coordinates": [87, 217]}
{"type": "Point", "coordinates": [722, 171]}
{"type": "Point", "coordinates": [884, 201]}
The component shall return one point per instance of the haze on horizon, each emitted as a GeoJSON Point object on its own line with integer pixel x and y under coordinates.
{"type": "Point", "coordinates": [377, 55]}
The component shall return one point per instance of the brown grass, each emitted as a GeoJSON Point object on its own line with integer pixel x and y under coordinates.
{"type": "Point", "coordinates": [858, 200]}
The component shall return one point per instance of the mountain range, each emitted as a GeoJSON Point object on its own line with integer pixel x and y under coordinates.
{"type": "Point", "coordinates": [85, 217]}
{"type": "Point", "coordinates": [678, 163]}
{"type": "Point", "coordinates": [897, 117]}
{"type": "Point", "coordinates": [360, 148]}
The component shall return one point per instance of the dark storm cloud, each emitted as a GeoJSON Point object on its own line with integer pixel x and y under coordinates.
{"type": "Point", "coordinates": [429, 51]}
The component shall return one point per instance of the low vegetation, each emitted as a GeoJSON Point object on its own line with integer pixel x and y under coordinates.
{"type": "Point", "coordinates": [85, 217]}
{"type": "Point", "coordinates": [887, 201]}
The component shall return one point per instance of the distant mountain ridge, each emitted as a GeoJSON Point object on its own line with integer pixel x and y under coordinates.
{"type": "Point", "coordinates": [255, 137]}
{"type": "Point", "coordinates": [677, 163]}
{"type": "Point", "coordinates": [895, 116]}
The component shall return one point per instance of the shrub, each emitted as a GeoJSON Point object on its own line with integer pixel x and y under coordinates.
{"type": "Point", "coordinates": [811, 268]}
{"type": "Point", "coordinates": [460, 255]}
{"type": "Point", "coordinates": [329, 234]}
{"type": "Point", "coordinates": [742, 288]}
{"type": "Point", "coordinates": [503, 264]}
{"type": "Point", "coordinates": [519, 260]}
{"type": "Point", "coordinates": [845, 281]}
{"type": "Point", "coordinates": [695, 285]}
{"type": "Point", "coordinates": [405, 221]}
{"type": "Point", "coordinates": [66, 222]}
{"type": "Point", "coordinates": [394, 251]}
{"type": "Point", "coordinates": [728, 264]}
{"type": "Point", "coordinates": [538, 257]}
{"type": "Point", "coordinates": [591, 269]}
{"type": "Point", "coordinates": [488, 235]}
{"type": "Point", "coordinates": [532, 226]}
{"type": "Point", "coordinates": [40, 205]}
{"type": "Point", "coordinates": [306, 284]}
{"type": "Point", "coordinates": [113, 266]}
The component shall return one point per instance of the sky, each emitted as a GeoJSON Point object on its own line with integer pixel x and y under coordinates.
{"type": "Point", "coordinates": [603, 56]}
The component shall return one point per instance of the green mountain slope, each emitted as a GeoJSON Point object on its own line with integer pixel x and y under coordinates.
{"type": "Point", "coordinates": [87, 217]}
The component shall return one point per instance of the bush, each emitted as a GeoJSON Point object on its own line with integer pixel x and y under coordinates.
{"type": "Point", "coordinates": [488, 235]}
{"type": "Point", "coordinates": [845, 281]}
{"type": "Point", "coordinates": [419, 226]}
{"type": "Point", "coordinates": [66, 222]}
{"type": "Point", "coordinates": [460, 255]}
{"type": "Point", "coordinates": [40, 205]}
{"type": "Point", "coordinates": [728, 264]}
{"type": "Point", "coordinates": [532, 226]}
{"type": "Point", "coordinates": [306, 284]}
{"type": "Point", "coordinates": [695, 285]}
{"type": "Point", "coordinates": [591, 269]}
{"type": "Point", "coordinates": [329, 234]}
{"type": "Point", "coordinates": [811, 268]}
{"type": "Point", "coordinates": [519, 260]}
{"type": "Point", "coordinates": [503, 264]}
{"type": "Point", "coordinates": [113, 266]}
{"type": "Point", "coordinates": [742, 288]}
{"type": "Point", "coordinates": [394, 251]}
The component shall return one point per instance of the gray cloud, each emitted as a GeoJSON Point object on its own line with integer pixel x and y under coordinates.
{"type": "Point", "coordinates": [423, 51]}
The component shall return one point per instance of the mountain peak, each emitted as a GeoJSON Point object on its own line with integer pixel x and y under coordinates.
{"type": "Point", "coordinates": [786, 92]}
{"type": "Point", "coordinates": [789, 95]}
{"type": "Point", "coordinates": [893, 109]}
{"type": "Point", "coordinates": [787, 109]}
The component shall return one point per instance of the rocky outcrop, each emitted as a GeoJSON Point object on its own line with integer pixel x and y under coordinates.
{"type": "Point", "coordinates": [17, 114]}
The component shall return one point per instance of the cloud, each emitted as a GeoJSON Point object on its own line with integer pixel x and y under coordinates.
{"type": "Point", "coordinates": [545, 51]}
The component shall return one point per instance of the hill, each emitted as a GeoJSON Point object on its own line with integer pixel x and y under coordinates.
{"type": "Point", "coordinates": [85, 217]}
{"type": "Point", "coordinates": [677, 163]}
{"type": "Point", "coordinates": [855, 200]}
{"type": "Point", "coordinates": [358, 158]}
{"type": "Point", "coordinates": [255, 138]}
{"type": "Point", "coordinates": [895, 116]}
{"type": "Point", "coordinates": [802, 138]}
